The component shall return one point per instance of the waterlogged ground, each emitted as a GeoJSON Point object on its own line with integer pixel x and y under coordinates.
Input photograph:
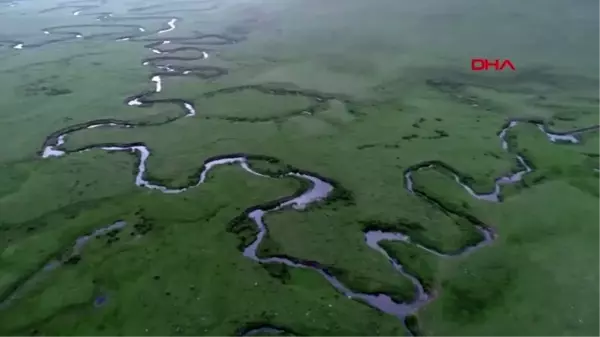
{"type": "Point", "coordinates": [298, 167]}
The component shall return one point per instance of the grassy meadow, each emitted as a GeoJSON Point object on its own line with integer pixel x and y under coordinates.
{"type": "Point", "coordinates": [356, 91]}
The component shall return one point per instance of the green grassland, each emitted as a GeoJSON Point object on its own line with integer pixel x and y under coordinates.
{"type": "Point", "coordinates": [357, 92]}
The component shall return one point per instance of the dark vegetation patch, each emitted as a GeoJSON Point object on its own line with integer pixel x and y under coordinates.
{"type": "Point", "coordinates": [269, 166]}
{"type": "Point", "coordinates": [244, 229]}
{"type": "Point", "coordinates": [412, 324]}
{"type": "Point", "coordinates": [246, 232]}
{"type": "Point", "coordinates": [366, 146]}
{"type": "Point", "coordinates": [11, 178]}
{"type": "Point", "coordinates": [439, 134]}
{"type": "Point", "coordinates": [446, 86]}
{"type": "Point", "coordinates": [455, 89]}
{"type": "Point", "coordinates": [565, 117]}
{"type": "Point", "coordinates": [411, 136]}
{"type": "Point", "coordinates": [415, 261]}
{"type": "Point", "coordinates": [531, 179]}
{"type": "Point", "coordinates": [63, 61]}
{"type": "Point", "coordinates": [142, 227]}
{"type": "Point", "coordinates": [111, 237]}
{"type": "Point", "coordinates": [55, 91]}
{"type": "Point", "coordinates": [44, 86]}
{"type": "Point", "coordinates": [591, 162]}
{"type": "Point", "coordinates": [587, 184]}
{"type": "Point", "coordinates": [457, 212]}
{"type": "Point", "coordinates": [268, 247]}
{"type": "Point", "coordinates": [278, 271]}
{"type": "Point", "coordinates": [443, 168]}
{"type": "Point", "coordinates": [467, 299]}
{"type": "Point", "coordinates": [380, 145]}
{"type": "Point", "coordinates": [72, 256]}
{"type": "Point", "coordinates": [366, 285]}
{"type": "Point", "coordinates": [417, 124]}
{"type": "Point", "coordinates": [75, 259]}
{"type": "Point", "coordinates": [492, 154]}
{"type": "Point", "coordinates": [465, 221]}
{"type": "Point", "coordinates": [340, 194]}
{"type": "Point", "coordinates": [23, 278]}
{"type": "Point", "coordinates": [17, 230]}
{"type": "Point", "coordinates": [402, 225]}
{"type": "Point", "coordinates": [568, 112]}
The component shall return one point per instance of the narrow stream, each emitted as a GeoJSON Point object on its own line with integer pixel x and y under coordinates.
{"type": "Point", "coordinates": [75, 253]}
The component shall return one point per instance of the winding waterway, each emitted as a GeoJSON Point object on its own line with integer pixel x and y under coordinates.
{"type": "Point", "coordinates": [321, 188]}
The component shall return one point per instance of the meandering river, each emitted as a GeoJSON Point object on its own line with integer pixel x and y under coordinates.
{"type": "Point", "coordinates": [321, 188]}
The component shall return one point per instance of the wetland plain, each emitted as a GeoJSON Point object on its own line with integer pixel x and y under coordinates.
{"type": "Point", "coordinates": [298, 167]}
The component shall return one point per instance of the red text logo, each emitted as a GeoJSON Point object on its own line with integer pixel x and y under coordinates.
{"type": "Point", "coordinates": [485, 64]}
